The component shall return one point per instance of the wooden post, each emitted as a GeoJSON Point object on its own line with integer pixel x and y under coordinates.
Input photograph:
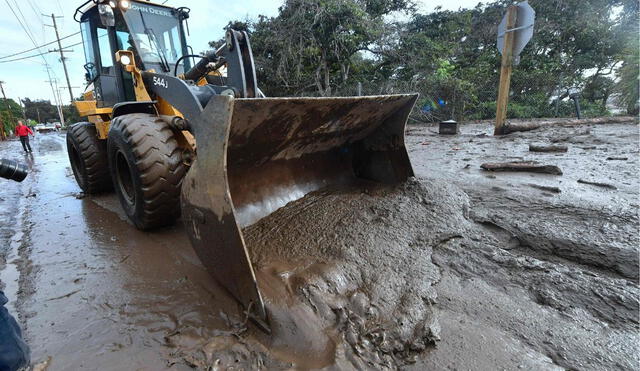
{"type": "Point", "coordinates": [505, 71]}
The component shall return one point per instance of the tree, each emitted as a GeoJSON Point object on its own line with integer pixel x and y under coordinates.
{"type": "Point", "coordinates": [312, 46]}
{"type": "Point", "coordinates": [628, 84]}
{"type": "Point", "coordinates": [325, 47]}
{"type": "Point", "coordinates": [11, 115]}
{"type": "Point", "coordinates": [40, 110]}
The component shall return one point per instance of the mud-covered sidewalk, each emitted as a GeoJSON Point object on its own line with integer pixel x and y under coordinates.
{"type": "Point", "coordinates": [460, 268]}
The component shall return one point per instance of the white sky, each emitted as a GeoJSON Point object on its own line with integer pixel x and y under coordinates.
{"type": "Point", "coordinates": [27, 78]}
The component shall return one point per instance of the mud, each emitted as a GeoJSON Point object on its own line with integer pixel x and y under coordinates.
{"type": "Point", "coordinates": [456, 269]}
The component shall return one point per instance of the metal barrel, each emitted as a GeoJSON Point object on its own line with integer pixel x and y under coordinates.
{"type": "Point", "coordinates": [256, 155]}
{"type": "Point", "coordinates": [13, 170]}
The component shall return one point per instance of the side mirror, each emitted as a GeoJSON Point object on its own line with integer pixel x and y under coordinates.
{"type": "Point", "coordinates": [107, 18]}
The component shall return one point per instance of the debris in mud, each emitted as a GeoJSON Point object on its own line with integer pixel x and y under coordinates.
{"type": "Point", "coordinates": [532, 125]}
{"type": "Point", "coordinates": [80, 195]}
{"type": "Point", "coordinates": [598, 184]}
{"type": "Point", "coordinates": [547, 148]}
{"type": "Point", "coordinates": [525, 166]}
{"type": "Point", "coordinates": [617, 158]}
{"type": "Point", "coordinates": [569, 137]}
{"type": "Point", "coordinates": [520, 126]}
{"type": "Point", "coordinates": [545, 188]}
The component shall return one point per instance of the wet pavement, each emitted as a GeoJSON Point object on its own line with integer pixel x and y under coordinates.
{"type": "Point", "coordinates": [458, 269]}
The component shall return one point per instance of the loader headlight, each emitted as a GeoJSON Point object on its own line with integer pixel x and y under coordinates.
{"type": "Point", "coordinates": [124, 59]}
{"type": "Point", "coordinates": [124, 4]}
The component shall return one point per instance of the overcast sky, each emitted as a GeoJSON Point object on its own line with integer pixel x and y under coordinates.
{"type": "Point", "coordinates": [27, 78]}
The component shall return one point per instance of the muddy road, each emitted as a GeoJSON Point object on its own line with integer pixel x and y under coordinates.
{"type": "Point", "coordinates": [458, 268]}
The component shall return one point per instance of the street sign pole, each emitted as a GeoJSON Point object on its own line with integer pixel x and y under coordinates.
{"type": "Point", "coordinates": [505, 71]}
{"type": "Point", "coordinates": [514, 32]}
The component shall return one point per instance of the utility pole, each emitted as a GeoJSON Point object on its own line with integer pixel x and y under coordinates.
{"type": "Point", "coordinates": [55, 95]}
{"type": "Point", "coordinates": [64, 64]}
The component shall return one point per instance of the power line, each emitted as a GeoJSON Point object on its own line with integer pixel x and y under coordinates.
{"type": "Point", "coordinates": [39, 54]}
{"type": "Point", "coordinates": [33, 8]}
{"type": "Point", "coordinates": [39, 46]}
{"type": "Point", "coordinates": [20, 22]}
{"type": "Point", "coordinates": [23, 58]}
{"type": "Point", "coordinates": [25, 29]}
{"type": "Point", "coordinates": [24, 19]}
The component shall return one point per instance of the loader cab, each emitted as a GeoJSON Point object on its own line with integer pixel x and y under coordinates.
{"type": "Point", "coordinates": [153, 32]}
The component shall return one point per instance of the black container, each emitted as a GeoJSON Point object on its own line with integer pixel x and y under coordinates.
{"type": "Point", "coordinates": [12, 170]}
{"type": "Point", "coordinates": [448, 127]}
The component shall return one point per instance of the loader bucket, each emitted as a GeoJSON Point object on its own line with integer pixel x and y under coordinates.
{"type": "Point", "coordinates": [256, 155]}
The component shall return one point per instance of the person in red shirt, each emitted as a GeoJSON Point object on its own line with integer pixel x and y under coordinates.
{"type": "Point", "coordinates": [23, 132]}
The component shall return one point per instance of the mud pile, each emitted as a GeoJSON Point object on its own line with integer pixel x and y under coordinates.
{"type": "Point", "coordinates": [348, 278]}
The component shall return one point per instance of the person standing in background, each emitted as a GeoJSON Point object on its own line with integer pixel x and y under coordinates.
{"type": "Point", "coordinates": [23, 132]}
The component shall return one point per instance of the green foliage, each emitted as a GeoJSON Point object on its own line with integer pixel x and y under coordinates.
{"type": "Point", "coordinates": [327, 47]}
{"type": "Point", "coordinates": [71, 115]}
{"type": "Point", "coordinates": [40, 110]}
{"type": "Point", "coordinates": [628, 85]}
{"type": "Point", "coordinates": [43, 111]}
{"type": "Point", "coordinates": [312, 47]}
{"type": "Point", "coordinates": [10, 113]}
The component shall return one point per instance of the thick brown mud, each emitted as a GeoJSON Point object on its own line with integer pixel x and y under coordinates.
{"type": "Point", "coordinates": [456, 269]}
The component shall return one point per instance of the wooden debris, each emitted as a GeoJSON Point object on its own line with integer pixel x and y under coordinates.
{"type": "Point", "coordinates": [597, 184]}
{"type": "Point", "coordinates": [532, 125]}
{"type": "Point", "coordinates": [545, 188]}
{"type": "Point", "coordinates": [547, 148]}
{"type": "Point", "coordinates": [523, 166]}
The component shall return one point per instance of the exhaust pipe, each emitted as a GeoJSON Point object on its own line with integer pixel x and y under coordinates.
{"type": "Point", "coordinates": [12, 170]}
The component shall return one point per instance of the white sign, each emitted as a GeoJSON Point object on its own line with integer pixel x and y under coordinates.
{"type": "Point", "coordinates": [523, 29]}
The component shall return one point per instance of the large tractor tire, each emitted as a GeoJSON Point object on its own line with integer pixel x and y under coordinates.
{"type": "Point", "coordinates": [147, 169]}
{"type": "Point", "coordinates": [88, 158]}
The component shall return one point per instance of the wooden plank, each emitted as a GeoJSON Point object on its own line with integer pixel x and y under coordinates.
{"type": "Point", "coordinates": [526, 166]}
{"type": "Point", "coordinates": [505, 71]}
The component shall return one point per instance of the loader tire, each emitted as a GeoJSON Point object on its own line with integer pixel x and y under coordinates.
{"type": "Point", "coordinates": [147, 169]}
{"type": "Point", "coordinates": [88, 158]}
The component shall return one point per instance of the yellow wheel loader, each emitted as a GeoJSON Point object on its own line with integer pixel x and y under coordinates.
{"type": "Point", "coordinates": [174, 135]}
